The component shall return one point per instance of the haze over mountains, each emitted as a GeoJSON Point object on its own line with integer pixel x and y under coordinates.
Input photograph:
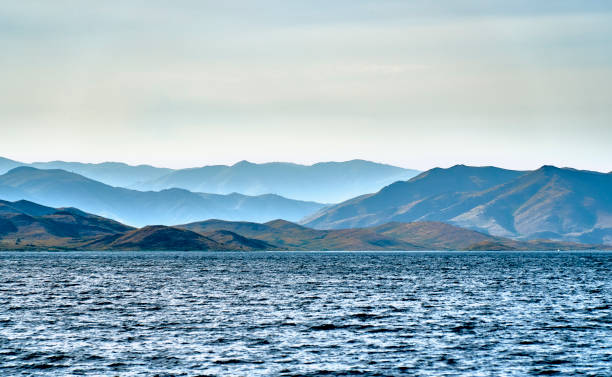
{"type": "Point", "coordinates": [112, 173]}
{"type": "Point", "coordinates": [560, 204]}
{"type": "Point", "coordinates": [29, 226]}
{"type": "Point", "coordinates": [59, 188]}
{"type": "Point", "coordinates": [555, 203]}
{"type": "Point", "coordinates": [325, 182]}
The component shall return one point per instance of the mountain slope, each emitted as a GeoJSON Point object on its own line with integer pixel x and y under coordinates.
{"type": "Point", "coordinates": [7, 164]}
{"type": "Point", "coordinates": [400, 201]}
{"type": "Point", "coordinates": [58, 188]}
{"type": "Point", "coordinates": [25, 207]}
{"type": "Point", "coordinates": [289, 236]}
{"type": "Point", "coordinates": [554, 203]}
{"type": "Point", "coordinates": [392, 236]}
{"type": "Point", "coordinates": [434, 235]}
{"type": "Point", "coordinates": [157, 237]}
{"type": "Point", "coordinates": [547, 203]}
{"type": "Point", "coordinates": [326, 182]}
{"type": "Point", "coordinates": [23, 222]}
{"type": "Point", "coordinates": [29, 226]}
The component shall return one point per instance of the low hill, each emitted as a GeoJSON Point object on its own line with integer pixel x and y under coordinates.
{"type": "Point", "coordinates": [157, 237]}
{"type": "Point", "coordinates": [289, 236]}
{"type": "Point", "coordinates": [234, 241]}
{"type": "Point", "coordinates": [28, 226]}
{"type": "Point", "coordinates": [392, 236]}
{"type": "Point", "coordinates": [435, 235]}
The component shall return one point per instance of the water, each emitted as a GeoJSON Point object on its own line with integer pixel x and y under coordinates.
{"type": "Point", "coordinates": [192, 313]}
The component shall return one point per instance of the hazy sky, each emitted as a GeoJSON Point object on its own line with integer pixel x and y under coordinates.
{"type": "Point", "coordinates": [415, 83]}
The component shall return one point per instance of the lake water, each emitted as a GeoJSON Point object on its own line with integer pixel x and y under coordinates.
{"type": "Point", "coordinates": [198, 313]}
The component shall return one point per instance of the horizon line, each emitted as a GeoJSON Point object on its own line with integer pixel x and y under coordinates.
{"type": "Point", "coordinates": [307, 164]}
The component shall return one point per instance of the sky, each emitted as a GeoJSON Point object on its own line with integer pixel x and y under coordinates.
{"type": "Point", "coordinates": [417, 84]}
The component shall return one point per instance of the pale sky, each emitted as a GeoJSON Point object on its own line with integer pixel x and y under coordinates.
{"type": "Point", "coordinates": [416, 84]}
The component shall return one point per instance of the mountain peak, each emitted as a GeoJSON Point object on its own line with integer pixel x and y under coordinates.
{"type": "Point", "coordinates": [243, 163]}
{"type": "Point", "coordinates": [283, 224]}
{"type": "Point", "coordinates": [400, 200]}
{"type": "Point", "coordinates": [549, 168]}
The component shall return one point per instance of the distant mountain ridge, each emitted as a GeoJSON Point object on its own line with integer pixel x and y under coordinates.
{"type": "Point", "coordinates": [561, 204]}
{"type": "Point", "coordinates": [325, 182]}
{"type": "Point", "coordinates": [111, 173]}
{"type": "Point", "coordinates": [556, 203]}
{"type": "Point", "coordinates": [29, 226]}
{"type": "Point", "coordinates": [59, 188]}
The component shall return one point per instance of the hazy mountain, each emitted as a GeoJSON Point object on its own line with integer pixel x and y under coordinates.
{"type": "Point", "coordinates": [554, 203]}
{"type": "Point", "coordinates": [25, 207]}
{"type": "Point", "coordinates": [111, 173]}
{"type": "Point", "coordinates": [58, 188]}
{"type": "Point", "coordinates": [6, 164]}
{"type": "Point", "coordinates": [326, 182]}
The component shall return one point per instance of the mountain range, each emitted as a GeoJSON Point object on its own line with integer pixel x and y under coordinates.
{"type": "Point", "coordinates": [111, 173]}
{"type": "Point", "coordinates": [325, 182]}
{"type": "Point", "coordinates": [550, 202]}
{"type": "Point", "coordinates": [560, 204]}
{"type": "Point", "coordinates": [59, 188]}
{"type": "Point", "coordinates": [29, 226]}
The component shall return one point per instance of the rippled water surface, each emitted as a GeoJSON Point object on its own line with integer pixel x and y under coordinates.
{"type": "Point", "coordinates": [192, 313]}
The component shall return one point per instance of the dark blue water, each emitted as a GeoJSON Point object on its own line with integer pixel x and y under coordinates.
{"type": "Point", "coordinates": [191, 313]}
